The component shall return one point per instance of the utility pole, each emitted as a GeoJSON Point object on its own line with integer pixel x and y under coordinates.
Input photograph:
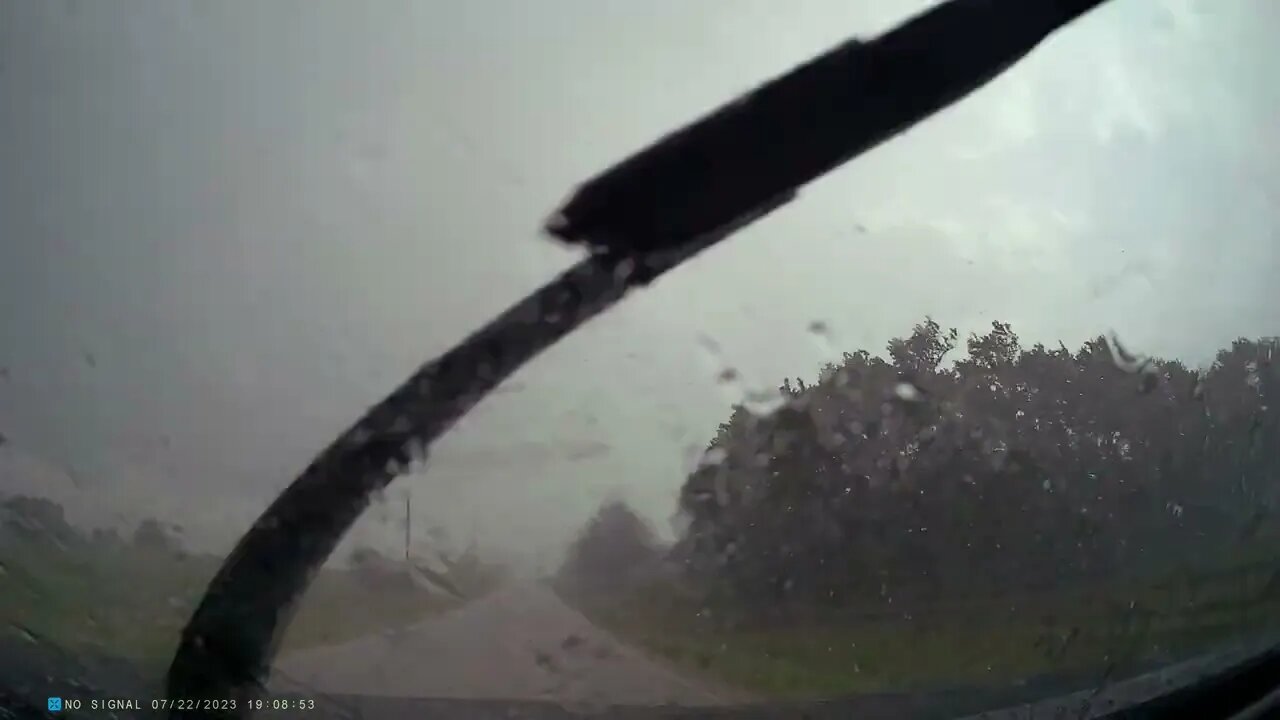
{"type": "Point", "coordinates": [408, 497]}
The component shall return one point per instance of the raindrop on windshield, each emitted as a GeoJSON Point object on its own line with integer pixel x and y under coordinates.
{"type": "Point", "coordinates": [714, 456]}
{"type": "Point", "coordinates": [416, 451]}
{"type": "Point", "coordinates": [908, 392]}
{"type": "Point", "coordinates": [823, 337]}
{"type": "Point", "coordinates": [763, 403]}
{"type": "Point", "coordinates": [726, 375]}
{"type": "Point", "coordinates": [1148, 380]}
{"type": "Point", "coordinates": [698, 457]}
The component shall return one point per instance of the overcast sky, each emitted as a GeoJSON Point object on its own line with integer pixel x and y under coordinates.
{"type": "Point", "coordinates": [227, 228]}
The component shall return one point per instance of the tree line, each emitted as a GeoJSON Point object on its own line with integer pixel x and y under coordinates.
{"type": "Point", "coordinates": [43, 520]}
{"type": "Point", "coordinates": [914, 477]}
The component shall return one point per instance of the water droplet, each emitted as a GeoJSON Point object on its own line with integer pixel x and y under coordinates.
{"type": "Point", "coordinates": [358, 436]}
{"type": "Point", "coordinates": [379, 497]}
{"type": "Point", "coordinates": [908, 392]}
{"type": "Point", "coordinates": [556, 224]}
{"type": "Point", "coordinates": [1148, 381]}
{"type": "Point", "coordinates": [726, 375]}
{"type": "Point", "coordinates": [416, 450]}
{"type": "Point", "coordinates": [763, 403]}
{"type": "Point", "coordinates": [823, 337]}
{"type": "Point", "coordinates": [714, 456]}
{"type": "Point", "coordinates": [698, 457]}
{"type": "Point", "coordinates": [623, 271]}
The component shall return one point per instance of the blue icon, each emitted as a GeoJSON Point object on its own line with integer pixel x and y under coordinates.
{"type": "Point", "coordinates": [55, 704]}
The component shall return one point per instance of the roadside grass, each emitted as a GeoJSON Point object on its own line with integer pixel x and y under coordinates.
{"type": "Point", "coordinates": [132, 603]}
{"type": "Point", "coordinates": [1124, 627]}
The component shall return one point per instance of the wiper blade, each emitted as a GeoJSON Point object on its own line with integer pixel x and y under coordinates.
{"type": "Point", "coordinates": [227, 646]}
{"type": "Point", "coordinates": [766, 144]}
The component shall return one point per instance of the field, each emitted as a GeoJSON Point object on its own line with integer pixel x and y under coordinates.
{"type": "Point", "coordinates": [131, 604]}
{"type": "Point", "coordinates": [1003, 638]}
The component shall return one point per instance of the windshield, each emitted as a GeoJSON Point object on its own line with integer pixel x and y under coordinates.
{"type": "Point", "coordinates": [987, 416]}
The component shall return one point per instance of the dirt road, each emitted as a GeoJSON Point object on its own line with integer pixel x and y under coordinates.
{"type": "Point", "coordinates": [521, 642]}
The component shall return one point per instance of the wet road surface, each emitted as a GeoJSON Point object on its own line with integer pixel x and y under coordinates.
{"type": "Point", "coordinates": [519, 643]}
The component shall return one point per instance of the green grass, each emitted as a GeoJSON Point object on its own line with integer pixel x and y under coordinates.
{"type": "Point", "coordinates": [959, 645]}
{"type": "Point", "coordinates": [131, 603]}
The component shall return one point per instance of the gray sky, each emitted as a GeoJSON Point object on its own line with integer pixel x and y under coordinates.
{"type": "Point", "coordinates": [226, 228]}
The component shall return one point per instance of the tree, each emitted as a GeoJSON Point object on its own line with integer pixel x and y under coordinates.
{"type": "Point", "coordinates": [615, 549]}
{"type": "Point", "coordinates": [38, 518]}
{"type": "Point", "coordinates": [104, 538]}
{"type": "Point", "coordinates": [902, 481]}
{"type": "Point", "coordinates": [153, 536]}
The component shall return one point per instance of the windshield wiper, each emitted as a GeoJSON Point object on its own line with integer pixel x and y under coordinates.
{"type": "Point", "coordinates": [641, 219]}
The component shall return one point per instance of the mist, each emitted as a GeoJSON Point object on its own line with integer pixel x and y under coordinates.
{"type": "Point", "coordinates": [228, 228]}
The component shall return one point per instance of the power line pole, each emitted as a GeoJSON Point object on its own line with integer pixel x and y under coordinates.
{"type": "Point", "coordinates": [408, 497]}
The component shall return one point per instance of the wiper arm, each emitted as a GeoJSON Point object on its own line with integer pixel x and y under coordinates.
{"type": "Point", "coordinates": [845, 102]}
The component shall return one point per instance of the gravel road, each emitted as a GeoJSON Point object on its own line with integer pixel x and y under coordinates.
{"type": "Point", "coordinates": [519, 643]}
